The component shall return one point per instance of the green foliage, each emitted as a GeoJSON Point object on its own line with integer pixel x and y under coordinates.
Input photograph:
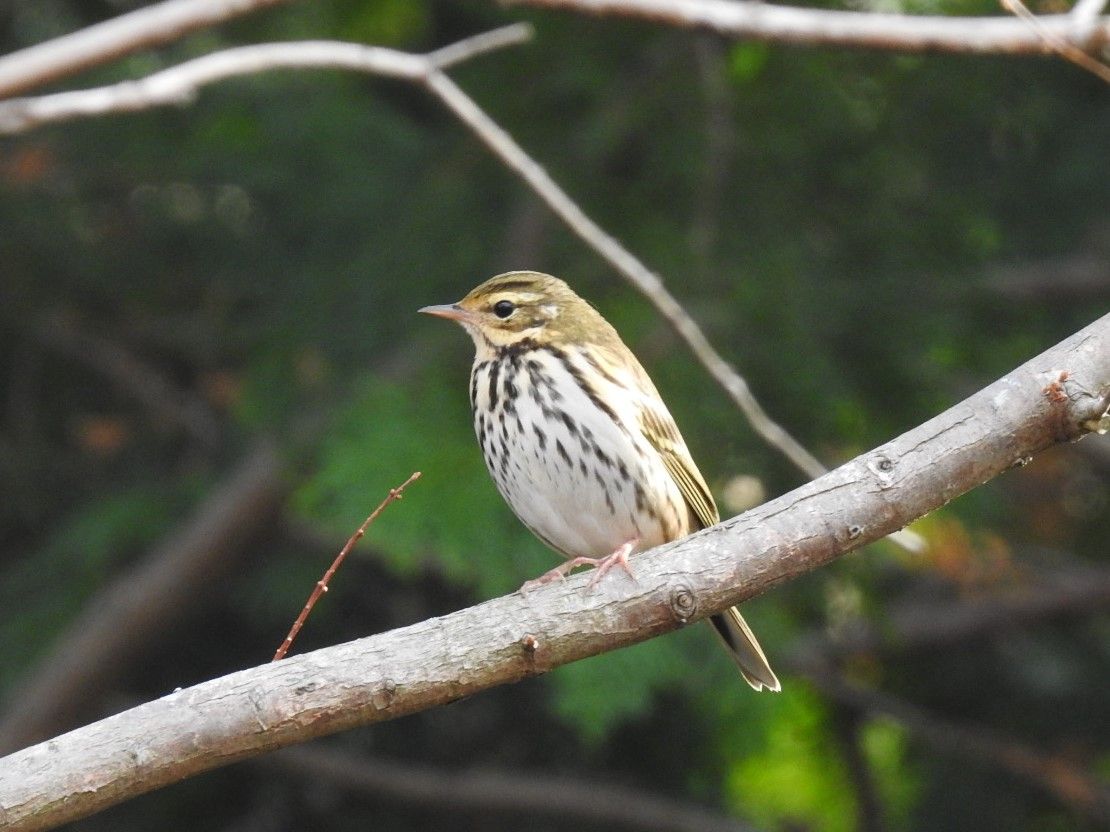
{"type": "Point", "coordinates": [747, 60]}
{"type": "Point", "coordinates": [452, 517]}
{"type": "Point", "coordinates": [886, 749]}
{"type": "Point", "coordinates": [596, 695]}
{"type": "Point", "coordinates": [799, 775]}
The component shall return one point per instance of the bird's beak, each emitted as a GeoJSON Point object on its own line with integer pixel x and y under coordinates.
{"type": "Point", "coordinates": [449, 310]}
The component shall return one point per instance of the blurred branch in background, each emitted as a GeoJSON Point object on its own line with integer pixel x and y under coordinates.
{"type": "Point", "coordinates": [930, 626]}
{"type": "Point", "coordinates": [526, 795]}
{"type": "Point", "coordinates": [935, 626]}
{"type": "Point", "coordinates": [1079, 278]}
{"type": "Point", "coordinates": [133, 610]}
{"type": "Point", "coordinates": [165, 402]}
{"type": "Point", "coordinates": [1058, 776]}
{"type": "Point", "coordinates": [505, 640]}
{"type": "Point", "coordinates": [846, 726]}
{"type": "Point", "coordinates": [833, 27]}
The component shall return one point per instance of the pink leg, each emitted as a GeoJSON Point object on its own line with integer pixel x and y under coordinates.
{"type": "Point", "coordinates": [602, 565]}
{"type": "Point", "coordinates": [559, 572]}
{"type": "Point", "coordinates": [618, 558]}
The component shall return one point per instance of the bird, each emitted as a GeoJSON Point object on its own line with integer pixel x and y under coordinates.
{"type": "Point", "coordinates": [578, 440]}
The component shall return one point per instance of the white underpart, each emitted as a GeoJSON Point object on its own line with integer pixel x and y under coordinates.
{"type": "Point", "coordinates": [580, 511]}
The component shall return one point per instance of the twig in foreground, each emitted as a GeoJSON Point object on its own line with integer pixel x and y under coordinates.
{"type": "Point", "coordinates": [322, 584]}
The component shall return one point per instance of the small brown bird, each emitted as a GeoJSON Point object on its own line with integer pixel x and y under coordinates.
{"type": "Point", "coordinates": [578, 440]}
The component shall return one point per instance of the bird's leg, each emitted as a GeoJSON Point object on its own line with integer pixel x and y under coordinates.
{"type": "Point", "coordinates": [559, 572]}
{"type": "Point", "coordinates": [602, 565]}
{"type": "Point", "coordinates": [618, 558]}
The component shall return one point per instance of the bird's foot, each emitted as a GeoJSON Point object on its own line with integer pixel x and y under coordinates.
{"type": "Point", "coordinates": [560, 572]}
{"type": "Point", "coordinates": [618, 558]}
{"type": "Point", "coordinates": [602, 565]}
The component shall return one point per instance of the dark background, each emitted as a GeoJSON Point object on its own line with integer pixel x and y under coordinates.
{"type": "Point", "coordinates": [867, 237]}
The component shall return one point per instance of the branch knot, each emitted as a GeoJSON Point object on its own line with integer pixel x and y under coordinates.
{"type": "Point", "coordinates": [683, 603]}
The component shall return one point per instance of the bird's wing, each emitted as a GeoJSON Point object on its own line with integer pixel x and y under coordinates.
{"type": "Point", "coordinates": [661, 431]}
{"type": "Point", "coordinates": [658, 426]}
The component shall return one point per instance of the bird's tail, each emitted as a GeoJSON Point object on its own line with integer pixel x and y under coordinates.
{"type": "Point", "coordinates": [742, 646]}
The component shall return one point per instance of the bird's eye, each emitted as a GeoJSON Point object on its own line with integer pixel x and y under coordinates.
{"type": "Point", "coordinates": [503, 308]}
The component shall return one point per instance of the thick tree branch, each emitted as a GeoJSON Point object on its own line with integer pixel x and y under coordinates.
{"type": "Point", "coordinates": [1056, 397]}
{"type": "Point", "coordinates": [833, 27]}
{"type": "Point", "coordinates": [166, 403]}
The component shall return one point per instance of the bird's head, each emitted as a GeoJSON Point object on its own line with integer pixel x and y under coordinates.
{"type": "Point", "coordinates": [519, 307]}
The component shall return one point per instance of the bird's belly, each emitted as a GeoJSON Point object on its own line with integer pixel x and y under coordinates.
{"type": "Point", "coordinates": [579, 481]}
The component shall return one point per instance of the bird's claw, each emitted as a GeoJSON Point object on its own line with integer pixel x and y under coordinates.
{"type": "Point", "coordinates": [618, 558]}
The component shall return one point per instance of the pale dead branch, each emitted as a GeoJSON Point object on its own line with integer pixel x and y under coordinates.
{"type": "Point", "coordinates": [180, 84]}
{"type": "Point", "coordinates": [834, 27]}
{"type": "Point", "coordinates": [113, 39]}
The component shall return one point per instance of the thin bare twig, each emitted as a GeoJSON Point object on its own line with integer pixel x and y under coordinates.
{"type": "Point", "coordinates": [1057, 42]}
{"type": "Point", "coordinates": [449, 56]}
{"type": "Point", "coordinates": [322, 584]}
{"type": "Point", "coordinates": [505, 148]}
{"type": "Point", "coordinates": [870, 30]}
